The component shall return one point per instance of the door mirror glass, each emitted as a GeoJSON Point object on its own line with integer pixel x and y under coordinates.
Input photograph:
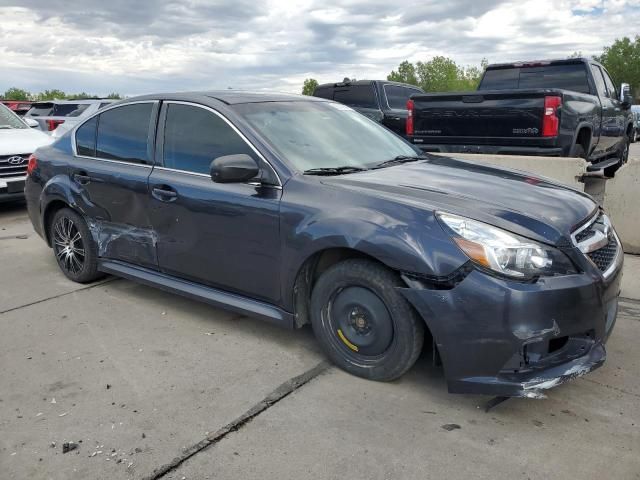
{"type": "Point", "coordinates": [625, 95]}
{"type": "Point", "coordinates": [31, 122]}
{"type": "Point", "coordinates": [234, 169]}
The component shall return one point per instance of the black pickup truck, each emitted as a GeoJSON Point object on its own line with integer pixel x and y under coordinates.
{"type": "Point", "coordinates": [552, 108]}
{"type": "Point", "coordinates": [381, 100]}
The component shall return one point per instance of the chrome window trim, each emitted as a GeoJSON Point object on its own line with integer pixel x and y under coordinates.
{"type": "Point", "coordinates": [235, 129]}
{"type": "Point", "coordinates": [74, 130]}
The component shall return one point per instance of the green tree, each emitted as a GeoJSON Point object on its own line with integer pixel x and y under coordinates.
{"type": "Point", "coordinates": [622, 60]}
{"type": "Point", "coordinates": [440, 74]}
{"type": "Point", "coordinates": [309, 86]}
{"type": "Point", "coordinates": [14, 93]}
{"type": "Point", "coordinates": [406, 74]}
{"type": "Point", "coordinates": [114, 96]}
{"type": "Point", "coordinates": [51, 95]}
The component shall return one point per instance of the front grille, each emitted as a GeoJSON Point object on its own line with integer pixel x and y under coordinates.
{"type": "Point", "coordinates": [599, 242]}
{"type": "Point", "coordinates": [604, 257]}
{"type": "Point", "coordinates": [14, 165]}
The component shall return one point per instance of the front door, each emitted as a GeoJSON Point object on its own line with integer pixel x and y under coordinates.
{"type": "Point", "coordinates": [222, 235]}
{"type": "Point", "coordinates": [111, 169]}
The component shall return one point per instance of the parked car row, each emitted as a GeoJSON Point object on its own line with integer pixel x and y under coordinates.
{"type": "Point", "coordinates": [56, 117]}
{"type": "Point", "coordinates": [299, 210]}
{"type": "Point", "coordinates": [20, 107]}
{"type": "Point", "coordinates": [567, 108]}
{"type": "Point", "coordinates": [18, 140]}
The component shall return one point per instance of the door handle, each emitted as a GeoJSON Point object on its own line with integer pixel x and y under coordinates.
{"type": "Point", "coordinates": [82, 178]}
{"type": "Point", "coordinates": [164, 194]}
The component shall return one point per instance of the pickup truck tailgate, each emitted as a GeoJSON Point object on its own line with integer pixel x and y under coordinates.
{"type": "Point", "coordinates": [482, 114]}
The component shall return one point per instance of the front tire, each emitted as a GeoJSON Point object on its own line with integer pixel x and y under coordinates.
{"type": "Point", "coordinates": [363, 323]}
{"type": "Point", "coordinates": [74, 247]}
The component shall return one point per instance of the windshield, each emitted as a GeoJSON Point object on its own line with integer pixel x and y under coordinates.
{"type": "Point", "coordinates": [312, 135]}
{"type": "Point", "coordinates": [9, 120]}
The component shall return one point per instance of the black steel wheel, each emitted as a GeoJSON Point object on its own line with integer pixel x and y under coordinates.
{"type": "Point", "coordinates": [73, 246]}
{"type": "Point", "coordinates": [363, 323]}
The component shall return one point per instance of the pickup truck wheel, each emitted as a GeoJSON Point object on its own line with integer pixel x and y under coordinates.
{"type": "Point", "coordinates": [363, 323]}
{"type": "Point", "coordinates": [74, 247]}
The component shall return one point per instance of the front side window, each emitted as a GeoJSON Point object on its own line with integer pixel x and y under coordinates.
{"type": "Point", "coordinates": [597, 77]}
{"type": "Point", "coordinates": [123, 133]}
{"type": "Point", "coordinates": [613, 93]}
{"type": "Point", "coordinates": [397, 96]}
{"type": "Point", "coordinates": [323, 134]}
{"type": "Point", "coordinates": [194, 137]}
{"type": "Point", "coordinates": [361, 96]}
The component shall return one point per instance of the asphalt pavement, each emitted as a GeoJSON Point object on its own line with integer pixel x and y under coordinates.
{"type": "Point", "coordinates": [150, 385]}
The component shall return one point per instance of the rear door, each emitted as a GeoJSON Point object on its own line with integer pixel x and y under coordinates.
{"type": "Point", "coordinates": [114, 152]}
{"type": "Point", "coordinates": [223, 235]}
{"type": "Point", "coordinates": [613, 119]}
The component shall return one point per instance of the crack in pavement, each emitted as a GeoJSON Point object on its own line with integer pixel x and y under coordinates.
{"type": "Point", "coordinates": [621, 390]}
{"type": "Point", "coordinates": [270, 400]}
{"type": "Point", "coordinates": [109, 280]}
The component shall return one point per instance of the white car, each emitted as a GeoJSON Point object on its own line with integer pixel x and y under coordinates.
{"type": "Point", "coordinates": [18, 139]}
{"type": "Point", "coordinates": [56, 117]}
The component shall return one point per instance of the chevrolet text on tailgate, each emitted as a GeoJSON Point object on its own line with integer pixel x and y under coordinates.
{"type": "Point", "coordinates": [299, 210]}
{"type": "Point", "coordinates": [565, 108]}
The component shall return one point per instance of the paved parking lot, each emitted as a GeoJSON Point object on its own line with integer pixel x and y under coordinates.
{"type": "Point", "coordinates": [151, 385]}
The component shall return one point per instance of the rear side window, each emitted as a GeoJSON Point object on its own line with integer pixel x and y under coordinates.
{"type": "Point", "coordinates": [568, 77]}
{"type": "Point", "coordinates": [68, 109]}
{"type": "Point", "coordinates": [123, 133]}
{"type": "Point", "coordinates": [40, 110]}
{"type": "Point", "coordinates": [356, 96]}
{"type": "Point", "coordinates": [397, 96]}
{"type": "Point", "coordinates": [86, 138]}
{"type": "Point", "coordinates": [324, 93]}
{"type": "Point", "coordinates": [194, 137]}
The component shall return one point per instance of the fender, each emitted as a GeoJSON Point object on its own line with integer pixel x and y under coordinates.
{"type": "Point", "coordinates": [592, 145]}
{"type": "Point", "coordinates": [398, 244]}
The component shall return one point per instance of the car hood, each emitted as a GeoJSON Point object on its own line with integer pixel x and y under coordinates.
{"type": "Point", "coordinates": [21, 141]}
{"type": "Point", "coordinates": [513, 200]}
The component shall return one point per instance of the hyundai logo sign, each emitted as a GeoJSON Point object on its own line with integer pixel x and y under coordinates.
{"type": "Point", "coordinates": [15, 160]}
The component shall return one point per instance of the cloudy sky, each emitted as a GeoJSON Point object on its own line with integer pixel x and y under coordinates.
{"type": "Point", "coordinates": [142, 46]}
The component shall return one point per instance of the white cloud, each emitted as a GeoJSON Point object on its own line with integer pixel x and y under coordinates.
{"type": "Point", "coordinates": [192, 44]}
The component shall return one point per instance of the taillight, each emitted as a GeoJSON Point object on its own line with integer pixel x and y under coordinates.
{"type": "Point", "coordinates": [550, 120]}
{"type": "Point", "coordinates": [32, 165]}
{"type": "Point", "coordinates": [53, 124]}
{"type": "Point", "coordinates": [409, 124]}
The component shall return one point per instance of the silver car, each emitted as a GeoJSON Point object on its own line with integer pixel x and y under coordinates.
{"type": "Point", "coordinates": [56, 117]}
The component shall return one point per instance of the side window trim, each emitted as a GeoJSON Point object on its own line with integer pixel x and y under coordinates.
{"type": "Point", "coordinates": [612, 95]}
{"type": "Point", "coordinates": [160, 139]}
{"type": "Point", "coordinates": [153, 125]}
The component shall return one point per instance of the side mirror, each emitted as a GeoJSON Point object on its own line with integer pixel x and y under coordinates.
{"type": "Point", "coordinates": [625, 95]}
{"type": "Point", "coordinates": [234, 169]}
{"type": "Point", "coordinates": [31, 122]}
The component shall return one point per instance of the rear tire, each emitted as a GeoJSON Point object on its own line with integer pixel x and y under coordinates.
{"type": "Point", "coordinates": [73, 246]}
{"type": "Point", "coordinates": [363, 323]}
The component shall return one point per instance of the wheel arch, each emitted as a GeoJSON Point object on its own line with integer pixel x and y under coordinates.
{"type": "Point", "coordinates": [49, 211]}
{"type": "Point", "coordinates": [583, 137]}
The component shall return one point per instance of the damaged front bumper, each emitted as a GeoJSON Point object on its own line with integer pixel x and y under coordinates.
{"type": "Point", "coordinates": [503, 338]}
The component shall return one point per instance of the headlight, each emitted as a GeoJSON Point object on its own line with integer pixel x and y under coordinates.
{"type": "Point", "coordinates": [504, 252]}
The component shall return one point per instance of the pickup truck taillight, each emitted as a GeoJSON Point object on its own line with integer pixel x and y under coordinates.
{"type": "Point", "coordinates": [53, 124]}
{"type": "Point", "coordinates": [409, 124]}
{"type": "Point", "coordinates": [550, 120]}
{"type": "Point", "coordinates": [32, 165]}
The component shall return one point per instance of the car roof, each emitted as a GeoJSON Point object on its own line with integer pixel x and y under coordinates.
{"type": "Point", "coordinates": [230, 97]}
{"type": "Point", "coordinates": [365, 82]}
{"type": "Point", "coordinates": [75, 102]}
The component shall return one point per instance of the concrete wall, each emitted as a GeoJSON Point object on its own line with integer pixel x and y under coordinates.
{"type": "Point", "coordinates": [568, 171]}
{"type": "Point", "coordinates": [622, 203]}
{"type": "Point", "coordinates": [621, 194]}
